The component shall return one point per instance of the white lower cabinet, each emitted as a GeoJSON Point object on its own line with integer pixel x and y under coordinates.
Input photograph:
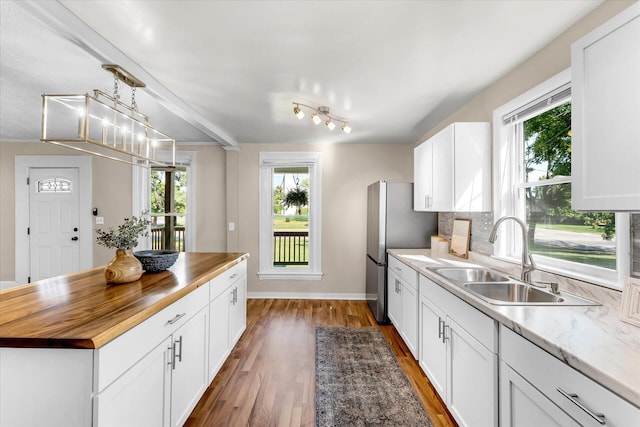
{"type": "Point", "coordinates": [433, 351]}
{"type": "Point", "coordinates": [227, 315]}
{"type": "Point", "coordinates": [523, 405]}
{"type": "Point", "coordinates": [458, 353]}
{"type": "Point", "coordinates": [238, 309]}
{"type": "Point", "coordinates": [537, 387]}
{"type": "Point", "coordinates": [394, 299]}
{"type": "Point", "coordinates": [188, 365]}
{"type": "Point", "coordinates": [141, 396]}
{"type": "Point", "coordinates": [410, 318]}
{"type": "Point", "coordinates": [402, 302]}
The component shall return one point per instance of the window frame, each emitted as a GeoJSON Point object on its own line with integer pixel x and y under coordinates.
{"type": "Point", "coordinates": [507, 159]}
{"type": "Point", "coordinates": [268, 161]}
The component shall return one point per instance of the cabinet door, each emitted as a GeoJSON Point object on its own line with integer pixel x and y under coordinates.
{"type": "Point", "coordinates": [472, 390]}
{"type": "Point", "coordinates": [605, 67]}
{"type": "Point", "coordinates": [522, 405]}
{"type": "Point", "coordinates": [188, 366]}
{"type": "Point", "coordinates": [238, 311]}
{"type": "Point", "coordinates": [394, 299]}
{"type": "Point", "coordinates": [140, 396]}
{"type": "Point", "coordinates": [433, 351]}
{"type": "Point", "coordinates": [218, 333]}
{"type": "Point", "coordinates": [423, 176]}
{"type": "Point", "coordinates": [410, 318]}
{"type": "Point", "coordinates": [443, 170]}
{"type": "Point", "coordinates": [472, 167]}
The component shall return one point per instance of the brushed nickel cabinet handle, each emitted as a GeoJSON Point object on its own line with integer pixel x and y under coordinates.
{"type": "Point", "coordinates": [573, 398]}
{"type": "Point", "coordinates": [444, 332]}
{"type": "Point", "coordinates": [176, 318]}
{"type": "Point", "coordinates": [179, 354]}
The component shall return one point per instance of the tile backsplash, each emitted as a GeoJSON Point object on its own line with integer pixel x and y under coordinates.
{"type": "Point", "coordinates": [482, 222]}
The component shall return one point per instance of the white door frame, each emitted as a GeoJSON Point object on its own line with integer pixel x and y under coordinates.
{"type": "Point", "coordinates": [22, 166]}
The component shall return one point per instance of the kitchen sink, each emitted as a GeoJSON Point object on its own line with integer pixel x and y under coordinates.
{"type": "Point", "coordinates": [499, 289]}
{"type": "Point", "coordinates": [469, 274]}
{"type": "Point", "coordinates": [514, 293]}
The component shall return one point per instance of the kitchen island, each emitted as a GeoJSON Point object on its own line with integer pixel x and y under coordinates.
{"type": "Point", "coordinates": [75, 350]}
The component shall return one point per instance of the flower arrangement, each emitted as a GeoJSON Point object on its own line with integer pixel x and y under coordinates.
{"type": "Point", "coordinates": [126, 236]}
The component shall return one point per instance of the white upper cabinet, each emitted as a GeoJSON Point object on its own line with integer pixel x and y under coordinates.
{"type": "Point", "coordinates": [452, 170]}
{"type": "Point", "coordinates": [605, 67]}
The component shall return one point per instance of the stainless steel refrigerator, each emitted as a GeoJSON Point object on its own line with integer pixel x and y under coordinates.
{"type": "Point", "coordinates": [392, 224]}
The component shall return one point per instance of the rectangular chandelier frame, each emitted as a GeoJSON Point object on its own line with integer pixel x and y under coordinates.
{"type": "Point", "coordinates": [102, 121]}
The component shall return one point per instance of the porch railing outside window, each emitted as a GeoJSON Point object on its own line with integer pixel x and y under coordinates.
{"type": "Point", "coordinates": [290, 248]}
{"type": "Point", "coordinates": [158, 238]}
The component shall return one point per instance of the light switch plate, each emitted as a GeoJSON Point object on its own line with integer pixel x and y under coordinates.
{"type": "Point", "coordinates": [99, 220]}
{"type": "Point", "coordinates": [232, 226]}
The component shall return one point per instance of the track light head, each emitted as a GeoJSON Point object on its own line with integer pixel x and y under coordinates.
{"type": "Point", "coordinates": [346, 128]}
{"type": "Point", "coordinates": [298, 112]}
{"type": "Point", "coordinates": [330, 124]}
{"type": "Point", "coordinates": [316, 118]}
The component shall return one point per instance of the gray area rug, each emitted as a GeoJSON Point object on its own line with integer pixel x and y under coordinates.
{"type": "Point", "coordinates": [360, 383]}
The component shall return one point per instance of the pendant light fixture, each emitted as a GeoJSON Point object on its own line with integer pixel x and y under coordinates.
{"type": "Point", "coordinates": [320, 112]}
{"type": "Point", "coordinates": [103, 120]}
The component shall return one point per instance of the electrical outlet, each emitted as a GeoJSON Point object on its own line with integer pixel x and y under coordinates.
{"type": "Point", "coordinates": [99, 220]}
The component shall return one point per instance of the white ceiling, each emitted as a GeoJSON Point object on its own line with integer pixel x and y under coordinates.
{"type": "Point", "coordinates": [228, 71]}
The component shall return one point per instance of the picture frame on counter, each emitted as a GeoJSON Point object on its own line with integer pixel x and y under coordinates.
{"type": "Point", "coordinates": [630, 312]}
{"type": "Point", "coordinates": [460, 236]}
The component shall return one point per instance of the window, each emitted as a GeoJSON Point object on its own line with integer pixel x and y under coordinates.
{"type": "Point", "coordinates": [168, 208]}
{"type": "Point", "coordinates": [290, 221]}
{"type": "Point", "coordinates": [532, 158]}
{"type": "Point", "coordinates": [54, 185]}
{"type": "Point", "coordinates": [183, 214]}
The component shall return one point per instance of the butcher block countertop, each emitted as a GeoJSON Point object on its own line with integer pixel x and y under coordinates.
{"type": "Point", "coordinates": [81, 310]}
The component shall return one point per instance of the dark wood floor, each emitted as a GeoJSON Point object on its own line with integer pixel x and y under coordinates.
{"type": "Point", "coordinates": [269, 379]}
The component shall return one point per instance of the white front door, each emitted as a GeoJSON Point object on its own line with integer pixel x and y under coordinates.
{"type": "Point", "coordinates": [54, 231]}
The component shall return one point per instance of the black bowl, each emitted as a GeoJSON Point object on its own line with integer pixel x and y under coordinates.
{"type": "Point", "coordinates": [155, 261]}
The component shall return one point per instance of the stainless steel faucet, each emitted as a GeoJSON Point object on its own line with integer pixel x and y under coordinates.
{"type": "Point", "coordinates": [527, 260]}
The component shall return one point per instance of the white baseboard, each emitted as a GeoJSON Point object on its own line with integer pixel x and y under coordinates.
{"type": "Point", "coordinates": [5, 284]}
{"type": "Point", "coordinates": [287, 295]}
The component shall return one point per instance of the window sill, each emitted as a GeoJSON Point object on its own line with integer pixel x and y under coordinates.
{"type": "Point", "coordinates": [279, 275]}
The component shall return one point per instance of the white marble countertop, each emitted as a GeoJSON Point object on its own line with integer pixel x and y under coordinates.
{"type": "Point", "coordinates": [591, 339]}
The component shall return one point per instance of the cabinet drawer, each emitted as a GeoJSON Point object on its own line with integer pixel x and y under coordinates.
{"type": "Point", "coordinates": [117, 356]}
{"type": "Point", "coordinates": [220, 283]}
{"type": "Point", "coordinates": [404, 272]}
{"type": "Point", "coordinates": [550, 375]}
{"type": "Point", "coordinates": [482, 327]}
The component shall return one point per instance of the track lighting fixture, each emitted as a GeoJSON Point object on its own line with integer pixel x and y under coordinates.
{"type": "Point", "coordinates": [317, 114]}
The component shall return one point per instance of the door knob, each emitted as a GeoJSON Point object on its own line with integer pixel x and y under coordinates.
{"type": "Point", "coordinates": [74, 238]}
